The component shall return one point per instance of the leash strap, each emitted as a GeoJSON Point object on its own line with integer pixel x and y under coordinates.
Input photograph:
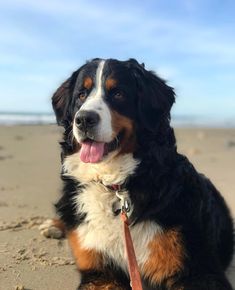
{"type": "Point", "coordinates": [135, 280]}
{"type": "Point", "coordinates": [132, 263]}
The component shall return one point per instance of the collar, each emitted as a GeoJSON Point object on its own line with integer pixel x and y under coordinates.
{"type": "Point", "coordinates": [115, 187]}
{"type": "Point", "coordinates": [123, 197]}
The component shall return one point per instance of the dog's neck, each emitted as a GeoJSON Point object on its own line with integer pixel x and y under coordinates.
{"type": "Point", "coordinates": [114, 170]}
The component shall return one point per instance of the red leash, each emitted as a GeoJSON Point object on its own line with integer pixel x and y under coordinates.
{"type": "Point", "coordinates": [131, 258]}
{"type": "Point", "coordinates": [132, 263]}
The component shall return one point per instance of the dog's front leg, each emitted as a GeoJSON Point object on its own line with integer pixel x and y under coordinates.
{"type": "Point", "coordinates": [95, 274]}
{"type": "Point", "coordinates": [53, 228]}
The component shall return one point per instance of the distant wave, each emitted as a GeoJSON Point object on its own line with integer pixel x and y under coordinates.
{"type": "Point", "coordinates": [12, 118]}
{"type": "Point", "coordinates": [26, 118]}
{"type": "Point", "coordinates": [203, 121]}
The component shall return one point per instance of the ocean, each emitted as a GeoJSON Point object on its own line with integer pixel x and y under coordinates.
{"type": "Point", "coordinates": [22, 118]}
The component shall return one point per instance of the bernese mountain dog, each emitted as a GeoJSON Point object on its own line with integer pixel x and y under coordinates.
{"type": "Point", "coordinates": [116, 119]}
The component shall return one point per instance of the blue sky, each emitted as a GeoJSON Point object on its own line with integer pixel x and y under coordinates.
{"type": "Point", "coordinates": [189, 43]}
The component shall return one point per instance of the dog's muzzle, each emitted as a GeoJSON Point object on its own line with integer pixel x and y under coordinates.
{"type": "Point", "coordinates": [86, 120]}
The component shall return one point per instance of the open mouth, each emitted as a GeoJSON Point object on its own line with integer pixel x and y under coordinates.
{"type": "Point", "coordinates": [92, 151]}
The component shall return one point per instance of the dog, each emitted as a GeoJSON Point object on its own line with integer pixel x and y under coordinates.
{"type": "Point", "coordinates": [116, 119]}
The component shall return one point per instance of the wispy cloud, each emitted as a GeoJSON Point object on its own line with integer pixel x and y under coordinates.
{"type": "Point", "coordinates": [43, 41]}
{"type": "Point", "coordinates": [92, 20]}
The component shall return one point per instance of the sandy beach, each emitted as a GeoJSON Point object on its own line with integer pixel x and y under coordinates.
{"type": "Point", "coordinates": [29, 185]}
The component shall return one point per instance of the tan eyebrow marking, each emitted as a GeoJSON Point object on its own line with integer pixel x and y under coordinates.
{"type": "Point", "coordinates": [87, 83]}
{"type": "Point", "coordinates": [110, 83]}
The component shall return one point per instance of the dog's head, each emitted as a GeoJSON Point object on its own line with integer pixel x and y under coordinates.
{"type": "Point", "coordinates": [105, 102]}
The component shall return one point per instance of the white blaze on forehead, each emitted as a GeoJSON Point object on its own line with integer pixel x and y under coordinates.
{"type": "Point", "coordinates": [99, 74]}
{"type": "Point", "coordinates": [96, 103]}
{"type": "Point", "coordinates": [97, 91]}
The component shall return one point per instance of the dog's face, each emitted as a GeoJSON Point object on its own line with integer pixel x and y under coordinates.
{"type": "Point", "coordinates": [106, 101]}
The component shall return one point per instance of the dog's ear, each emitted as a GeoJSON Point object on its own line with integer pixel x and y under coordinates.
{"type": "Point", "coordinates": [62, 98]}
{"type": "Point", "coordinates": [60, 101]}
{"type": "Point", "coordinates": [155, 97]}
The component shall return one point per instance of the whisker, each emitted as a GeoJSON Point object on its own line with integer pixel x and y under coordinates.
{"type": "Point", "coordinates": [117, 141]}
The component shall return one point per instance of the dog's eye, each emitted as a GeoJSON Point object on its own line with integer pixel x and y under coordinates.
{"type": "Point", "coordinates": [82, 96]}
{"type": "Point", "coordinates": [117, 95]}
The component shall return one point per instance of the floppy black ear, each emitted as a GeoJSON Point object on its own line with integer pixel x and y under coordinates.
{"type": "Point", "coordinates": [155, 97]}
{"type": "Point", "coordinates": [62, 99]}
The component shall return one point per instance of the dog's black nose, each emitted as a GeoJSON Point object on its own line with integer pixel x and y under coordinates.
{"type": "Point", "coordinates": [86, 119]}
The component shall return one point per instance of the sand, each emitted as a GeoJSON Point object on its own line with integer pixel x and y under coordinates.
{"type": "Point", "coordinates": [29, 185]}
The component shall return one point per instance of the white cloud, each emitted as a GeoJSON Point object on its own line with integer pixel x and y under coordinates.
{"type": "Point", "coordinates": [86, 20]}
{"type": "Point", "coordinates": [173, 46]}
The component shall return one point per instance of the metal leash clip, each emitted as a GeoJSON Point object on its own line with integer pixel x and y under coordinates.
{"type": "Point", "coordinates": [124, 202]}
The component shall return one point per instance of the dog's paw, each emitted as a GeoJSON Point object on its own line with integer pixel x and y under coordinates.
{"type": "Point", "coordinates": [51, 229]}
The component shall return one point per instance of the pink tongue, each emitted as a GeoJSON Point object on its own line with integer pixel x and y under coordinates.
{"type": "Point", "coordinates": [91, 151]}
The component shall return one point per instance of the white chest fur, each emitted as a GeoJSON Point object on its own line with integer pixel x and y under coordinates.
{"type": "Point", "coordinates": [113, 170]}
{"type": "Point", "coordinates": [102, 230]}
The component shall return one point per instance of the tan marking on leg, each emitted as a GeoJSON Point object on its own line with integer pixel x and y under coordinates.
{"type": "Point", "coordinates": [52, 228]}
{"type": "Point", "coordinates": [122, 123]}
{"type": "Point", "coordinates": [59, 224]}
{"type": "Point", "coordinates": [85, 259]}
{"type": "Point", "coordinates": [166, 256]}
{"type": "Point", "coordinates": [87, 83]}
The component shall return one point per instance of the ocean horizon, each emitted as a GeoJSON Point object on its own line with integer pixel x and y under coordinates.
{"type": "Point", "coordinates": [46, 118]}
